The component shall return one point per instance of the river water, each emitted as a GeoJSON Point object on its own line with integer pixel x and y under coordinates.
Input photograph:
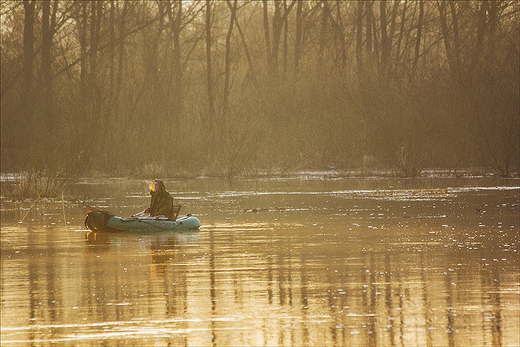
{"type": "Point", "coordinates": [308, 260]}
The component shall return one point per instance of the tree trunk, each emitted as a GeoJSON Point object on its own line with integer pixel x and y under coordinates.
{"type": "Point", "coordinates": [401, 32]}
{"type": "Point", "coordinates": [285, 40]}
{"type": "Point", "coordinates": [369, 15]}
{"type": "Point", "coordinates": [273, 46]}
{"type": "Point", "coordinates": [209, 78]}
{"type": "Point", "coordinates": [298, 38]}
{"type": "Point", "coordinates": [456, 39]}
{"type": "Point", "coordinates": [26, 96]}
{"type": "Point", "coordinates": [343, 44]}
{"type": "Point", "coordinates": [82, 29]}
{"type": "Point", "coordinates": [178, 83]}
{"type": "Point", "coordinates": [28, 49]}
{"type": "Point", "coordinates": [418, 39]}
{"type": "Point", "coordinates": [391, 38]}
{"type": "Point", "coordinates": [45, 85]}
{"type": "Point", "coordinates": [451, 45]}
{"type": "Point", "coordinates": [121, 51]}
{"type": "Point", "coordinates": [384, 39]}
{"type": "Point", "coordinates": [359, 38]}
{"type": "Point", "coordinates": [267, 37]}
{"type": "Point", "coordinates": [112, 43]}
{"type": "Point", "coordinates": [323, 36]}
{"type": "Point", "coordinates": [277, 33]}
{"type": "Point", "coordinates": [177, 98]}
{"type": "Point", "coordinates": [227, 62]}
{"type": "Point", "coordinates": [94, 44]}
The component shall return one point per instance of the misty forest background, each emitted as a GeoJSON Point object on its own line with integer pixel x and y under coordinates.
{"type": "Point", "coordinates": [233, 87]}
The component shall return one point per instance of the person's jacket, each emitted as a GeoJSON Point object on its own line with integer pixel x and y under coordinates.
{"type": "Point", "coordinates": [162, 203]}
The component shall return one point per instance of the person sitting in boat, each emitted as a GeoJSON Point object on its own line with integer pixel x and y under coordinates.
{"type": "Point", "coordinates": [162, 201]}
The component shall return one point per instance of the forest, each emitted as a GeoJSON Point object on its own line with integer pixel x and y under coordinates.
{"type": "Point", "coordinates": [230, 88]}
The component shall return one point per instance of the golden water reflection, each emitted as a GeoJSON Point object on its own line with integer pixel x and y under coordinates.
{"type": "Point", "coordinates": [209, 288]}
{"type": "Point", "coordinates": [429, 273]}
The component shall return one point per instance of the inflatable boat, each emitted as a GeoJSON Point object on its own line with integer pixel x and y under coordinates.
{"type": "Point", "coordinates": [98, 220]}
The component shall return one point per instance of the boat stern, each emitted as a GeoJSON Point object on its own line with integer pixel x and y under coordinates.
{"type": "Point", "coordinates": [97, 220]}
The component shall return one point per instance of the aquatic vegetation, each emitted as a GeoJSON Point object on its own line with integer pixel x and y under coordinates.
{"type": "Point", "coordinates": [34, 185]}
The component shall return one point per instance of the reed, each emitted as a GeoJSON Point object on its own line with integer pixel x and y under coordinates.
{"type": "Point", "coordinates": [34, 185]}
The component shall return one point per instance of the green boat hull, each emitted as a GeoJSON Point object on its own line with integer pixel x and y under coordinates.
{"type": "Point", "coordinates": [102, 221]}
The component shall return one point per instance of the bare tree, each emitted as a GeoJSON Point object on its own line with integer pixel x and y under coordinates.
{"type": "Point", "coordinates": [409, 83]}
{"type": "Point", "coordinates": [272, 45]}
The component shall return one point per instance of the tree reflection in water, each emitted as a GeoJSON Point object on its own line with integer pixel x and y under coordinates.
{"type": "Point", "coordinates": [341, 266]}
